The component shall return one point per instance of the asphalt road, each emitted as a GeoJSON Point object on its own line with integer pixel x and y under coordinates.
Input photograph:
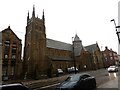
{"type": "Point", "coordinates": [102, 78]}
{"type": "Point", "coordinates": [113, 83]}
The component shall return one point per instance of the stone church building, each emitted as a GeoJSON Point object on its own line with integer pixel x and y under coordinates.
{"type": "Point", "coordinates": [43, 56]}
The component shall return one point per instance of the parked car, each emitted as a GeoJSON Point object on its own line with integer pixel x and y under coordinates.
{"type": "Point", "coordinates": [59, 72]}
{"type": "Point", "coordinates": [15, 86]}
{"type": "Point", "coordinates": [112, 68]}
{"type": "Point", "coordinates": [72, 69]}
{"type": "Point", "coordinates": [77, 82]}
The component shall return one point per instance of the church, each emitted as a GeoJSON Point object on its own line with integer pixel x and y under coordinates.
{"type": "Point", "coordinates": [43, 56]}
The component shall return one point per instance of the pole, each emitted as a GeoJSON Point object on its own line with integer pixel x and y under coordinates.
{"type": "Point", "coordinates": [118, 36]}
{"type": "Point", "coordinates": [74, 56]}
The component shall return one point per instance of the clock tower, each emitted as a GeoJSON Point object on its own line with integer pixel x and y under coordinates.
{"type": "Point", "coordinates": [77, 44]}
{"type": "Point", "coordinates": [35, 46]}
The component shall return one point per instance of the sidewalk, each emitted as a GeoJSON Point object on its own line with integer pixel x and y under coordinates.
{"type": "Point", "coordinates": [44, 82]}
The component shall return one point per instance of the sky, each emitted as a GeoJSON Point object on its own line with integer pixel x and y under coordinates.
{"type": "Point", "coordinates": [89, 19]}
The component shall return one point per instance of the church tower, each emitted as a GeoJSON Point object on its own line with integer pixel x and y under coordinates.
{"type": "Point", "coordinates": [35, 46]}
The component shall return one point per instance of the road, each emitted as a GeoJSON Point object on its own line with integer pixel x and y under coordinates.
{"type": "Point", "coordinates": [110, 84]}
{"type": "Point", "coordinates": [103, 79]}
{"type": "Point", "coordinates": [114, 83]}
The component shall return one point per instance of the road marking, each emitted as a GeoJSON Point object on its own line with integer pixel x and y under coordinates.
{"type": "Point", "coordinates": [47, 86]}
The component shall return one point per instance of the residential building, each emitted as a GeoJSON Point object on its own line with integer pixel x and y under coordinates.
{"type": "Point", "coordinates": [111, 57]}
{"type": "Point", "coordinates": [10, 54]}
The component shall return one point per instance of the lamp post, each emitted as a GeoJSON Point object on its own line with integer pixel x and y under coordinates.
{"type": "Point", "coordinates": [74, 55]}
{"type": "Point", "coordinates": [117, 32]}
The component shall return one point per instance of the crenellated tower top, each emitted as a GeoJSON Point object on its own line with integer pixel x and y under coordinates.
{"type": "Point", "coordinates": [33, 13]}
{"type": "Point", "coordinates": [35, 19]}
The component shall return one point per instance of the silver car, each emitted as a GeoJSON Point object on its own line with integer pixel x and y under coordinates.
{"type": "Point", "coordinates": [112, 68]}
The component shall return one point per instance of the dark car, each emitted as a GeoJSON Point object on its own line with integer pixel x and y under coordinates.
{"type": "Point", "coordinates": [78, 82]}
{"type": "Point", "coordinates": [16, 86]}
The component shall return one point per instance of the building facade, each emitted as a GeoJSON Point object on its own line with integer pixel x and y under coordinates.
{"type": "Point", "coordinates": [111, 57]}
{"type": "Point", "coordinates": [43, 56]}
{"type": "Point", "coordinates": [11, 54]}
{"type": "Point", "coordinates": [118, 60]}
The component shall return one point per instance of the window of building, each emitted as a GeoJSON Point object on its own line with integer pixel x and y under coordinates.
{"type": "Point", "coordinates": [7, 42]}
{"type": "Point", "coordinates": [13, 56]}
{"type": "Point", "coordinates": [6, 56]}
{"type": "Point", "coordinates": [12, 70]}
{"type": "Point", "coordinates": [40, 28]}
{"type": "Point", "coordinates": [111, 58]}
{"type": "Point", "coordinates": [14, 45]}
{"type": "Point", "coordinates": [13, 62]}
{"type": "Point", "coordinates": [110, 54]}
{"type": "Point", "coordinates": [114, 54]}
{"type": "Point", "coordinates": [7, 45]}
{"type": "Point", "coordinates": [106, 59]}
{"type": "Point", "coordinates": [0, 43]}
{"type": "Point", "coordinates": [14, 50]}
{"type": "Point", "coordinates": [6, 50]}
{"type": "Point", "coordinates": [4, 71]}
{"type": "Point", "coordinates": [105, 55]}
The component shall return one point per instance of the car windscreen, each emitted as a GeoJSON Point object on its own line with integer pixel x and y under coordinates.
{"type": "Point", "coordinates": [112, 66]}
{"type": "Point", "coordinates": [73, 78]}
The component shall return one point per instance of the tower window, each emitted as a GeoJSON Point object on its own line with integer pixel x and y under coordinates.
{"type": "Point", "coordinates": [36, 26]}
{"type": "Point", "coordinates": [40, 28]}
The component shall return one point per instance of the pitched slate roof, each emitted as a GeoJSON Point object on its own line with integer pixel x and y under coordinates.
{"type": "Point", "coordinates": [58, 45]}
{"type": "Point", "coordinates": [91, 48]}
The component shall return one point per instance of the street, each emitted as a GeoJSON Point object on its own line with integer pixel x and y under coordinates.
{"type": "Point", "coordinates": [103, 79]}
{"type": "Point", "coordinates": [110, 84]}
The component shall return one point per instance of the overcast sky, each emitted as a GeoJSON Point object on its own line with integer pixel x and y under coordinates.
{"type": "Point", "coordinates": [89, 19]}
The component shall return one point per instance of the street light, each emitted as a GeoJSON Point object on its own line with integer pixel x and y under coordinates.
{"type": "Point", "coordinates": [74, 55]}
{"type": "Point", "coordinates": [117, 32]}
